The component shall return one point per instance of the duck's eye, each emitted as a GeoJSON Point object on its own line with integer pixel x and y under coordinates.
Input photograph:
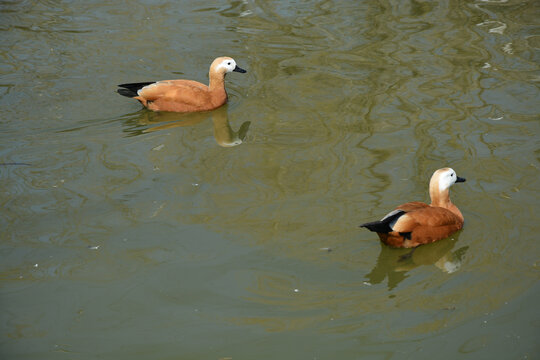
{"type": "Point", "coordinates": [452, 175]}
{"type": "Point", "coordinates": [228, 63]}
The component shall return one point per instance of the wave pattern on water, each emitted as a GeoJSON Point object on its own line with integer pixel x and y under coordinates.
{"type": "Point", "coordinates": [351, 105]}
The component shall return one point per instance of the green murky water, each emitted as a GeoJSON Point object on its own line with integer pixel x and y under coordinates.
{"type": "Point", "coordinates": [126, 234]}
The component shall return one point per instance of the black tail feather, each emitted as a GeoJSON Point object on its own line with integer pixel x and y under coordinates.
{"type": "Point", "coordinates": [383, 226]}
{"type": "Point", "coordinates": [130, 90]}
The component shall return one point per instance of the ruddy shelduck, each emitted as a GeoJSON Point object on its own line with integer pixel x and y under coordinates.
{"type": "Point", "coordinates": [184, 95]}
{"type": "Point", "coordinates": [416, 223]}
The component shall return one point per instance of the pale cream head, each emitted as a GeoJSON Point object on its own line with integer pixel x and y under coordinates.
{"type": "Point", "coordinates": [445, 177]}
{"type": "Point", "coordinates": [223, 65]}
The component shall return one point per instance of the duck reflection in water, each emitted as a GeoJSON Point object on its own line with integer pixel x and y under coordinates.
{"type": "Point", "coordinates": [223, 133]}
{"type": "Point", "coordinates": [395, 263]}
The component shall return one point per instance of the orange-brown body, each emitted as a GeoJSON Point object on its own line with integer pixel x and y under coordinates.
{"type": "Point", "coordinates": [416, 223]}
{"type": "Point", "coordinates": [184, 95]}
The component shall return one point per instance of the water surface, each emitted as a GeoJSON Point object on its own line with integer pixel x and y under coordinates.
{"type": "Point", "coordinates": [234, 233]}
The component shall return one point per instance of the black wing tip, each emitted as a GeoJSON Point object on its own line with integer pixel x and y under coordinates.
{"type": "Point", "coordinates": [382, 226]}
{"type": "Point", "coordinates": [133, 88]}
{"type": "Point", "coordinates": [130, 89]}
{"type": "Point", "coordinates": [366, 225]}
{"type": "Point", "coordinates": [127, 93]}
{"type": "Point", "coordinates": [377, 226]}
{"type": "Point", "coordinates": [136, 85]}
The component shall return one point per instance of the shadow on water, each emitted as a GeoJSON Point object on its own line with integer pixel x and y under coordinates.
{"type": "Point", "coordinates": [145, 121]}
{"type": "Point", "coordinates": [394, 263]}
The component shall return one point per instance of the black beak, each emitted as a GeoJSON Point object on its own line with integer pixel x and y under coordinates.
{"type": "Point", "coordinates": [460, 179]}
{"type": "Point", "coordinates": [240, 70]}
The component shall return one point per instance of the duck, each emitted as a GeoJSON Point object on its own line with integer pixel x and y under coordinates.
{"type": "Point", "coordinates": [184, 95]}
{"type": "Point", "coordinates": [416, 223]}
